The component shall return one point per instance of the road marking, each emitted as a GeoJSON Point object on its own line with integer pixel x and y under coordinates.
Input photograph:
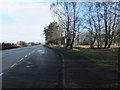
{"type": "Point", "coordinates": [21, 59]}
{"type": "Point", "coordinates": [13, 65]}
{"type": "Point", "coordinates": [26, 56]}
{"type": "Point", "coordinates": [1, 74]}
{"type": "Point", "coordinates": [29, 53]}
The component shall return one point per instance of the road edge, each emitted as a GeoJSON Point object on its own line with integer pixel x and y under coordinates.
{"type": "Point", "coordinates": [62, 69]}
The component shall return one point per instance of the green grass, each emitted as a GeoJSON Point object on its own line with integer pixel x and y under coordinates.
{"type": "Point", "coordinates": [105, 58]}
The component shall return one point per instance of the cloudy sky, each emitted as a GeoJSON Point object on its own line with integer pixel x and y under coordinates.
{"type": "Point", "coordinates": [23, 20]}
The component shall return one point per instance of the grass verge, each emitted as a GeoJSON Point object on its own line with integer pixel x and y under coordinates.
{"type": "Point", "coordinates": [103, 58]}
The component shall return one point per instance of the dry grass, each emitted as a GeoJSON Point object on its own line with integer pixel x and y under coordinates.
{"type": "Point", "coordinates": [88, 46]}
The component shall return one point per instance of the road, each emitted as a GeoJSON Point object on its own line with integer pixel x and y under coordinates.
{"type": "Point", "coordinates": [41, 67]}
{"type": "Point", "coordinates": [31, 67]}
{"type": "Point", "coordinates": [11, 57]}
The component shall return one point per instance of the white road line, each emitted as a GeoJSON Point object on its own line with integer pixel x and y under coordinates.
{"type": "Point", "coordinates": [1, 74]}
{"type": "Point", "coordinates": [29, 53]}
{"type": "Point", "coordinates": [21, 59]}
{"type": "Point", "coordinates": [26, 56]}
{"type": "Point", "coordinates": [13, 65]}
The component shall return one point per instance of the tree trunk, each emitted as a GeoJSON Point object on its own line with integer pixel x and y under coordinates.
{"type": "Point", "coordinates": [98, 42]}
{"type": "Point", "coordinates": [72, 42]}
{"type": "Point", "coordinates": [74, 31]}
{"type": "Point", "coordinates": [99, 30]}
{"type": "Point", "coordinates": [113, 28]}
{"type": "Point", "coordinates": [111, 40]}
{"type": "Point", "coordinates": [105, 22]}
{"type": "Point", "coordinates": [110, 44]}
{"type": "Point", "coordinates": [68, 24]}
{"type": "Point", "coordinates": [68, 41]}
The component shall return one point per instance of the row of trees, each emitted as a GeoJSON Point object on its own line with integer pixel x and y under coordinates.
{"type": "Point", "coordinates": [100, 19]}
{"type": "Point", "coordinates": [4, 45]}
{"type": "Point", "coordinates": [7, 46]}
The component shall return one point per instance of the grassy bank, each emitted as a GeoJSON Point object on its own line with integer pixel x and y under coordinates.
{"type": "Point", "coordinates": [103, 58]}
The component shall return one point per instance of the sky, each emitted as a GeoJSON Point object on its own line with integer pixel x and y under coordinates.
{"type": "Point", "coordinates": [24, 20]}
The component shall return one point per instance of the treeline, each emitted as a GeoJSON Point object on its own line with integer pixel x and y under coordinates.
{"type": "Point", "coordinates": [19, 44]}
{"type": "Point", "coordinates": [4, 46]}
{"type": "Point", "coordinates": [101, 21]}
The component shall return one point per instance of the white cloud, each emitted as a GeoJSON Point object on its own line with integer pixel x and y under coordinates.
{"type": "Point", "coordinates": [29, 20]}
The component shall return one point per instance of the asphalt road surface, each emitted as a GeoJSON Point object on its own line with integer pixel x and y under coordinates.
{"type": "Point", "coordinates": [41, 67]}
{"type": "Point", "coordinates": [31, 67]}
{"type": "Point", "coordinates": [11, 57]}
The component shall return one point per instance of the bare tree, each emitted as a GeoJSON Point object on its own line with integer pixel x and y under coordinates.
{"type": "Point", "coordinates": [99, 18]}
{"type": "Point", "coordinates": [63, 12]}
{"type": "Point", "coordinates": [74, 23]}
{"type": "Point", "coordinates": [98, 7]}
{"type": "Point", "coordinates": [105, 23]}
{"type": "Point", "coordinates": [112, 23]}
{"type": "Point", "coordinates": [91, 25]}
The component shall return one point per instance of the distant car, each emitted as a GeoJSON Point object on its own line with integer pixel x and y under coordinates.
{"type": "Point", "coordinates": [43, 44]}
